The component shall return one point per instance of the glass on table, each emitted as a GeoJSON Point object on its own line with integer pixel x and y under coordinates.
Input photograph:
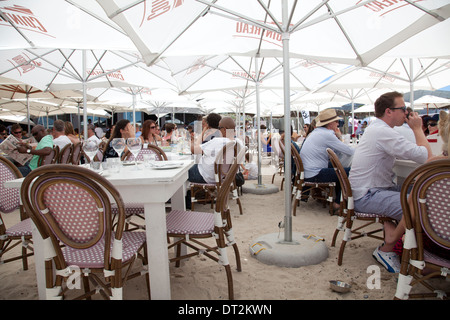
{"type": "Point", "coordinates": [113, 165]}
{"type": "Point", "coordinates": [149, 158]}
{"type": "Point", "coordinates": [135, 146]}
{"type": "Point", "coordinates": [90, 149]}
{"type": "Point", "coordinates": [118, 144]}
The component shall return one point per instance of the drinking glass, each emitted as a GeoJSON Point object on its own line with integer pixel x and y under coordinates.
{"type": "Point", "coordinates": [90, 148]}
{"type": "Point", "coordinates": [118, 145]}
{"type": "Point", "coordinates": [134, 145]}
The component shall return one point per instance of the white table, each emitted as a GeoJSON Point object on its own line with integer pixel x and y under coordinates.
{"type": "Point", "coordinates": [153, 188]}
{"type": "Point", "coordinates": [402, 168]}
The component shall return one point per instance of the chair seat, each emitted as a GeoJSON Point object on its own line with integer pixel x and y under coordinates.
{"type": "Point", "coordinates": [435, 259]}
{"type": "Point", "coordinates": [23, 228]}
{"type": "Point", "coordinates": [310, 183]}
{"type": "Point", "coordinates": [205, 185]}
{"type": "Point", "coordinates": [94, 256]}
{"type": "Point", "coordinates": [189, 222]}
{"type": "Point", "coordinates": [369, 215]}
{"type": "Point", "coordinates": [130, 208]}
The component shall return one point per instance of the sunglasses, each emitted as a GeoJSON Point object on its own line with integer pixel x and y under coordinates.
{"type": "Point", "coordinates": [432, 124]}
{"type": "Point", "coordinates": [17, 132]}
{"type": "Point", "coordinates": [400, 108]}
{"type": "Point", "coordinates": [3, 134]}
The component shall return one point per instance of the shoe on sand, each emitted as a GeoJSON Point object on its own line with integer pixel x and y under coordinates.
{"type": "Point", "coordinates": [389, 260]}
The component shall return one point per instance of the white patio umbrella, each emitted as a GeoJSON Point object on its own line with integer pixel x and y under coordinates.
{"type": "Point", "coordinates": [92, 72]}
{"type": "Point", "coordinates": [431, 101]}
{"type": "Point", "coordinates": [349, 33]}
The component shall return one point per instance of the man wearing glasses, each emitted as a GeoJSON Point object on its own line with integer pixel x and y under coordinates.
{"type": "Point", "coordinates": [44, 147]}
{"type": "Point", "coordinates": [371, 174]}
{"type": "Point", "coordinates": [16, 131]}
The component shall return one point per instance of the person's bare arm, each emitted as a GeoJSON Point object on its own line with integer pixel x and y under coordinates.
{"type": "Point", "coordinates": [415, 123]}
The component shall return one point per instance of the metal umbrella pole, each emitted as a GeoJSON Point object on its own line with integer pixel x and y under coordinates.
{"type": "Point", "coordinates": [287, 130]}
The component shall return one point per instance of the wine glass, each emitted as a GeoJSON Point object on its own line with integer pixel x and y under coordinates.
{"type": "Point", "coordinates": [118, 145]}
{"type": "Point", "coordinates": [134, 145]}
{"type": "Point", "coordinates": [90, 149]}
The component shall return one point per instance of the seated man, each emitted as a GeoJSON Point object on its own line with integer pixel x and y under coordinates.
{"type": "Point", "coordinates": [59, 136]}
{"type": "Point", "coordinates": [203, 171]}
{"type": "Point", "coordinates": [314, 151]}
{"type": "Point", "coordinates": [44, 147]}
{"type": "Point", "coordinates": [372, 176]}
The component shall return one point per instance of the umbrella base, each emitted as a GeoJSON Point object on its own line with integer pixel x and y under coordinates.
{"type": "Point", "coordinates": [304, 250]}
{"type": "Point", "coordinates": [255, 188]}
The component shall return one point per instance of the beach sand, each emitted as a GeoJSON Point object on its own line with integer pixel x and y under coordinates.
{"type": "Point", "coordinates": [202, 279]}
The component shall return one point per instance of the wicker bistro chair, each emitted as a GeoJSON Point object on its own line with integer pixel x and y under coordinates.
{"type": "Point", "coordinates": [71, 209]}
{"type": "Point", "coordinates": [76, 153]}
{"type": "Point", "coordinates": [20, 233]}
{"type": "Point", "coordinates": [348, 215]}
{"type": "Point", "coordinates": [301, 189]}
{"type": "Point", "coordinates": [206, 192]}
{"type": "Point", "coordinates": [430, 200]}
{"type": "Point", "coordinates": [137, 209]}
{"type": "Point", "coordinates": [151, 149]}
{"type": "Point", "coordinates": [192, 228]}
{"type": "Point", "coordinates": [65, 155]}
{"type": "Point", "coordinates": [222, 164]}
{"type": "Point", "coordinates": [51, 158]}
{"type": "Point", "coordinates": [279, 157]}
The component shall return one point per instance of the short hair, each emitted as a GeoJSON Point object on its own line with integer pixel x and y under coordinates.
{"type": "Point", "coordinates": [169, 127]}
{"type": "Point", "coordinates": [386, 101]}
{"type": "Point", "coordinates": [2, 128]}
{"type": "Point", "coordinates": [58, 125]}
{"type": "Point", "coordinates": [213, 120]}
{"type": "Point", "coordinates": [16, 126]}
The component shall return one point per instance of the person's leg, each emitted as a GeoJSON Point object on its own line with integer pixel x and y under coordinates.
{"type": "Point", "coordinates": [329, 175]}
{"type": "Point", "coordinates": [387, 203]}
{"type": "Point", "coordinates": [193, 176]}
{"type": "Point", "coordinates": [24, 170]}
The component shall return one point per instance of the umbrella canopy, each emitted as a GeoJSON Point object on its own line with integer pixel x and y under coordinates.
{"type": "Point", "coordinates": [22, 119]}
{"type": "Point", "coordinates": [348, 32]}
{"type": "Point", "coordinates": [59, 24]}
{"type": "Point", "coordinates": [432, 101]}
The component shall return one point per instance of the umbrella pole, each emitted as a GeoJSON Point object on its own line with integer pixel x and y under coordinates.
{"type": "Point", "coordinates": [85, 134]}
{"type": "Point", "coordinates": [258, 123]}
{"type": "Point", "coordinates": [411, 85]}
{"type": "Point", "coordinates": [28, 109]}
{"type": "Point", "coordinates": [287, 130]}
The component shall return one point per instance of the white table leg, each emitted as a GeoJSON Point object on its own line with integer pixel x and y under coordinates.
{"type": "Point", "coordinates": [158, 257]}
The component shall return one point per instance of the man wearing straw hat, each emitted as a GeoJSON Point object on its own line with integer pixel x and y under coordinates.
{"type": "Point", "coordinates": [372, 176]}
{"type": "Point", "coordinates": [314, 151]}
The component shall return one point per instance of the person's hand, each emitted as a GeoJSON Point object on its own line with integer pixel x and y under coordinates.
{"type": "Point", "coordinates": [338, 133]}
{"type": "Point", "coordinates": [22, 149]}
{"type": "Point", "coordinates": [414, 121]}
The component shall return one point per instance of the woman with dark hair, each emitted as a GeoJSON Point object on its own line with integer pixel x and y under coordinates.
{"type": "Point", "coordinates": [149, 132]}
{"type": "Point", "coordinates": [123, 129]}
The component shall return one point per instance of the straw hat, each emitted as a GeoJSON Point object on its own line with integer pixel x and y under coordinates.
{"type": "Point", "coordinates": [326, 116]}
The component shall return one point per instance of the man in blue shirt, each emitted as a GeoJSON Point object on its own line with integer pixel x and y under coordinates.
{"type": "Point", "coordinates": [314, 151]}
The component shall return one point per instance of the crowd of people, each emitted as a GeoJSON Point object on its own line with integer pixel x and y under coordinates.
{"type": "Point", "coordinates": [370, 173]}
